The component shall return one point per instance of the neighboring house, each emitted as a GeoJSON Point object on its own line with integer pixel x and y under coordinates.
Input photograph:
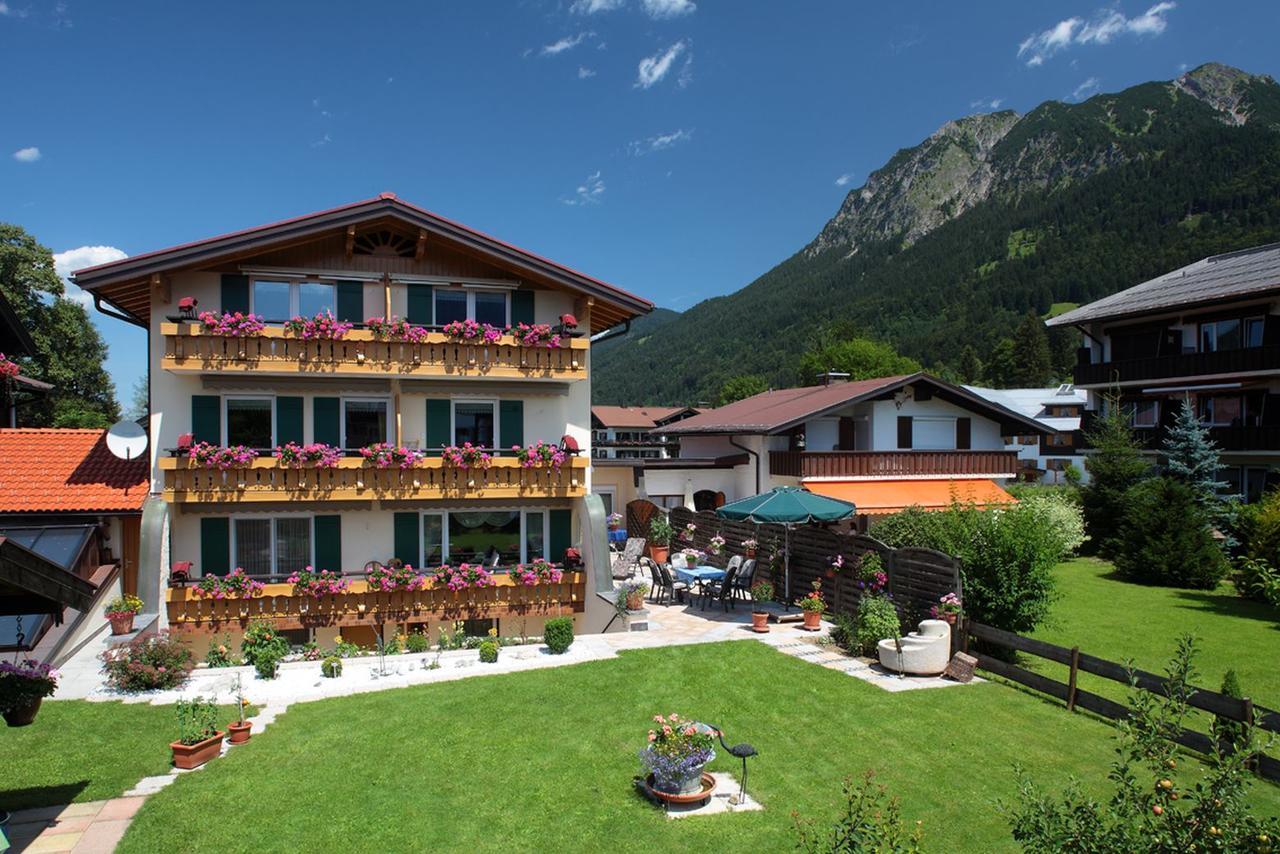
{"type": "Point", "coordinates": [424, 389]}
{"type": "Point", "coordinates": [16, 341]}
{"type": "Point", "coordinates": [68, 500]}
{"type": "Point", "coordinates": [883, 444]}
{"type": "Point", "coordinates": [1044, 457]}
{"type": "Point", "coordinates": [1208, 332]}
{"type": "Point", "coordinates": [623, 440]}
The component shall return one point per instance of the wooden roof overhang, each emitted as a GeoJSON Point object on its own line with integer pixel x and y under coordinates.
{"type": "Point", "coordinates": [127, 284]}
{"type": "Point", "coordinates": [31, 584]}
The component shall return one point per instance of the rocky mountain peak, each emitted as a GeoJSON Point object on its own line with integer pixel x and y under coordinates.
{"type": "Point", "coordinates": [1222, 87]}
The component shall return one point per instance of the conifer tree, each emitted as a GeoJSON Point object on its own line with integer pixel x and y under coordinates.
{"type": "Point", "coordinates": [1032, 363]}
{"type": "Point", "coordinates": [1192, 457]}
{"type": "Point", "coordinates": [1115, 465]}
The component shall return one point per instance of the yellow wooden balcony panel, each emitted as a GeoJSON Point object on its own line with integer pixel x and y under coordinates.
{"type": "Point", "coordinates": [265, 479]}
{"type": "Point", "coordinates": [362, 606]}
{"type": "Point", "coordinates": [188, 349]}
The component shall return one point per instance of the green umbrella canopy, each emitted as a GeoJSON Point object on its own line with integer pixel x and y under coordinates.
{"type": "Point", "coordinates": [787, 504]}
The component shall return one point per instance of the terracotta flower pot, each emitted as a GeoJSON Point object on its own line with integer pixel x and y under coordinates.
{"type": "Point", "coordinates": [635, 601]}
{"type": "Point", "coordinates": [24, 714]}
{"type": "Point", "coordinates": [760, 621]}
{"type": "Point", "coordinates": [188, 756]}
{"type": "Point", "coordinates": [830, 573]}
{"type": "Point", "coordinates": [950, 618]}
{"type": "Point", "coordinates": [751, 552]}
{"type": "Point", "coordinates": [812, 621]}
{"type": "Point", "coordinates": [238, 733]}
{"type": "Point", "coordinates": [660, 554]}
{"type": "Point", "coordinates": [121, 623]}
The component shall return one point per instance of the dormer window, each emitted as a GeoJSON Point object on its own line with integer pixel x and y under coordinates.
{"type": "Point", "coordinates": [482, 306]}
{"type": "Point", "coordinates": [279, 300]}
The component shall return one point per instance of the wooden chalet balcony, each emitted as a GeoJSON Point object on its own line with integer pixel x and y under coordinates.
{"type": "Point", "coordinates": [891, 464]}
{"type": "Point", "coordinates": [265, 479]}
{"type": "Point", "coordinates": [1190, 365]}
{"type": "Point", "coordinates": [361, 606]}
{"type": "Point", "coordinates": [189, 350]}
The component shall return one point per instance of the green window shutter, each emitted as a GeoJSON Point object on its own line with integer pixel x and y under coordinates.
{"type": "Point", "coordinates": [351, 302]}
{"type": "Point", "coordinates": [206, 418]}
{"type": "Point", "coordinates": [325, 415]}
{"type": "Point", "coordinates": [328, 532]}
{"type": "Point", "coordinates": [439, 428]}
{"type": "Point", "coordinates": [288, 420]}
{"type": "Point", "coordinates": [215, 545]}
{"type": "Point", "coordinates": [521, 307]}
{"type": "Point", "coordinates": [235, 293]}
{"type": "Point", "coordinates": [510, 423]}
{"type": "Point", "coordinates": [421, 308]}
{"type": "Point", "coordinates": [407, 528]}
{"type": "Point", "coordinates": [561, 533]}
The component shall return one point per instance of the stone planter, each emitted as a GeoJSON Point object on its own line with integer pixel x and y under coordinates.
{"type": "Point", "coordinates": [23, 715]}
{"type": "Point", "coordinates": [121, 622]}
{"type": "Point", "coordinates": [188, 756]}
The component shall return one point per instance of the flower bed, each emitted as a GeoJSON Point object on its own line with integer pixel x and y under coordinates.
{"type": "Point", "coordinates": [148, 664]}
{"type": "Point", "coordinates": [213, 456]}
{"type": "Point", "coordinates": [323, 327]}
{"type": "Point", "coordinates": [538, 571]}
{"type": "Point", "coordinates": [235, 324]}
{"type": "Point", "coordinates": [388, 578]}
{"type": "Point", "coordinates": [235, 585]}
{"type": "Point", "coordinates": [467, 456]}
{"type": "Point", "coordinates": [316, 454]}
{"type": "Point", "coordinates": [396, 329]}
{"type": "Point", "coordinates": [541, 454]}
{"type": "Point", "coordinates": [464, 575]}
{"type": "Point", "coordinates": [384, 456]}
{"type": "Point", "coordinates": [310, 582]}
{"type": "Point", "coordinates": [470, 330]}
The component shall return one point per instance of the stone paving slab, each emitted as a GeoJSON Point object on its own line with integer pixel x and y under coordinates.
{"type": "Point", "coordinates": [719, 803]}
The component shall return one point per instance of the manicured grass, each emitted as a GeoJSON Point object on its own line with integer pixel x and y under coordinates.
{"type": "Point", "coordinates": [1116, 620]}
{"type": "Point", "coordinates": [543, 760]}
{"type": "Point", "coordinates": [81, 751]}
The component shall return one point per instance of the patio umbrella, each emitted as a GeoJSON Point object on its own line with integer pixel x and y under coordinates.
{"type": "Point", "coordinates": [788, 506]}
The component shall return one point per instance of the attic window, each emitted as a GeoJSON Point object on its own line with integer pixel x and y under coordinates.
{"type": "Point", "coordinates": [386, 243]}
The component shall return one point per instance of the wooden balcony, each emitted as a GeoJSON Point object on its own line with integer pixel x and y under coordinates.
{"type": "Point", "coordinates": [1249, 360]}
{"type": "Point", "coordinates": [354, 480]}
{"type": "Point", "coordinates": [188, 350]}
{"type": "Point", "coordinates": [878, 465]}
{"type": "Point", "coordinates": [360, 606]}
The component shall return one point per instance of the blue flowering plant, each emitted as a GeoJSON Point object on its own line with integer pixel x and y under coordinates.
{"type": "Point", "coordinates": [677, 751]}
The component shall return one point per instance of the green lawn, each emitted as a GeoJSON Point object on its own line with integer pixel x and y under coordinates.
{"type": "Point", "coordinates": [543, 760]}
{"type": "Point", "coordinates": [1116, 620]}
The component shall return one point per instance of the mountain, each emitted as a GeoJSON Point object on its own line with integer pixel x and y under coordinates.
{"type": "Point", "coordinates": [952, 241]}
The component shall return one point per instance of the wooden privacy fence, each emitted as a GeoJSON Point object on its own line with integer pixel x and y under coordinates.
{"type": "Point", "coordinates": [1220, 705]}
{"type": "Point", "coordinates": [918, 578]}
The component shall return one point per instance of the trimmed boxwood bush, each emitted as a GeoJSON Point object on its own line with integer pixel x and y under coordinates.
{"type": "Point", "coordinates": [489, 652]}
{"type": "Point", "coordinates": [877, 620]}
{"type": "Point", "coordinates": [1165, 537]}
{"type": "Point", "coordinates": [558, 634]}
{"type": "Point", "coordinates": [331, 667]}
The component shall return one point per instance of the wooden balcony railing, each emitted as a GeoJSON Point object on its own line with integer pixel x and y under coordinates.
{"type": "Point", "coordinates": [265, 479]}
{"type": "Point", "coordinates": [891, 464]}
{"type": "Point", "coordinates": [187, 349]}
{"type": "Point", "coordinates": [1222, 362]}
{"type": "Point", "coordinates": [361, 606]}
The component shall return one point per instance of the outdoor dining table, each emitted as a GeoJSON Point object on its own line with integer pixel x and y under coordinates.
{"type": "Point", "coordinates": [699, 575]}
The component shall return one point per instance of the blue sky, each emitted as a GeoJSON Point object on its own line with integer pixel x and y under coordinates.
{"type": "Point", "coordinates": [678, 148]}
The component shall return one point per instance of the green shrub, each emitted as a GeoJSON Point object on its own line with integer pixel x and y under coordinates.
{"type": "Point", "coordinates": [1164, 537]}
{"type": "Point", "coordinates": [219, 654]}
{"type": "Point", "coordinates": [489, 652]}
{"type": "Point", "coordinates": [1255, 578]}
{"type": "Point", "coordinates": [1228, 732]}
{"type": "Point", "coordinates": [1061, 513]}
{"type": "Point", "coordinates": [1072, 474]}
{"type": "Point", "coordinates": [331, 667]}
{"type": "Point", "coordinates": [1006, 557]}
{"type": "Point", "coordinates": [262, 640]}
{"type": "Point", "coordinates": [877, 620]}
{"type": "Point", "coordinates": [1116, 464]}
{"type": "Point", "coordinates": [1259, 528]}
{"type": "Point", "coordinates": [267, 663]}
{"type": "Point", "coordinates": [844, 631]}
{"type": "Point", "coordinates": [870, 821]}
{"type": "Point", "coordinates": [558, 634]}
{"type": "Point", "coordinates": [417, 641]}
{"type": "Point", "coordinates": [146, 664]}
{"type": "Point", "coordinates": [197, 720]}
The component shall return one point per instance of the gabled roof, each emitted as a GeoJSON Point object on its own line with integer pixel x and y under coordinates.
{"type": "Point", "coordinates": [1031, 402]}
{"type": "Point", "coordinates": [780, 410]}
{"type": "Point", "coordinates": [47, 470]}
{"type": "Point", "coordinates": [1234, 275]}
{"type": "Point", "coordinates": [636, 417]}
{"type": "Point", "coordinates": [124, 283]}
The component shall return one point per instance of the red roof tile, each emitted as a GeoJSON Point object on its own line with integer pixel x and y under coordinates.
{"type": "Point", "coordinates": [46, 470]}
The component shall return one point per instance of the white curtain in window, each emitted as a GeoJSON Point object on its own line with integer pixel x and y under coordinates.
{"type": "Point", "coordinates": [293, 546]}
{"type": "Point", "coordinates": [253, 545]}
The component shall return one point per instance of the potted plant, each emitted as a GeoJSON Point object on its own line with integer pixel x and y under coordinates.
{"type": "Point", "coordinates": [23, 686]}
{"type": "Point", "coordinates": [678, 750]}
{"type": "Point", "coordinates": [615, 521]}
{"type": "Point", "coordinates": [949, 608]}
{"type": "Point", "coordinates": [630, 596]}
{"type": "Point", "coordinates": [239, 729]}
{"type": "Point", "coordinates": [691, 557]}
{"type": "Point", "coordinates": [199, 739]}
{"type": "Point", "coordinates": [813, 606]}
{"type": "Point", "coordinates": [660, 534]}
{"type": "Point", "coordinates": [749, 546]}
{"type": "Point", "coordinates": [761, 592]}
{"type": "Point", "coordinates": [121, 611]}
{"type": "Point", "coordinates": [715, 545]}
{"type": "Point", "coordinates": [836, 565]}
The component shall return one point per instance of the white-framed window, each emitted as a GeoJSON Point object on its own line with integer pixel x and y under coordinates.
{"type": "Point", "coordinates": [1231, 334]}
{"type": "Point", "coordinates": [1143, 413]}
{"type": "Point", "coordinates": [365, 421]}
{"type": "Point", "coordinates": [475, 421]}
{"type": "Point", "coordinates": [479, 536]}
{"type": "Point", "coordinates": [272, 545]}
{"type": "Point", "coordinates": [1222, 410]}
{"type": "Point", "coordinates": [249, 420]}
{"type": "Point", "coordinates": [278, 300]}
{"type": "Point", "coordinates": [608, 496]}
{"type": "Point", "coordinates": [479, 304]}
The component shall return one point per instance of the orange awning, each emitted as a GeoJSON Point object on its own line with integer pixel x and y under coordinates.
{"type": "Point", "coordinates": [875, 497]}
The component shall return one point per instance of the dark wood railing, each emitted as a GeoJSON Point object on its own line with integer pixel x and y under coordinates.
{"type": "Point", "coordinates": [891, 463]}
{"type": "Point", "coordinates": [1247, 360]}
{"type": "Point", "coordinates": [1238, 438]}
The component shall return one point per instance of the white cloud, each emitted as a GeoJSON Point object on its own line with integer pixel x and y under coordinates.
{"type": "Point", "coordinates": [566, 43]}
{"type": "Point", "coordinates": [653, 69]}
{"type": "Point", "coordinates": [661, 10]}
{"type": "Point", "coordinates": [661, 142]}
{"type": "Point", "coordinates": [986, 104]}
{"type": "Point", "coordinates": [66, 263]}
{"type": "Point", "coordinates": [1103, 28]}
{"type": "Point", "coordinates": [1085, 89]}
{"type": "Point", "coordinates": [590, 7]}
{"type": "Point", "coordinates": [589, 192]}
{"type": "Point", "coordinates": [584, 72]}
{"type": "Point", "coordinates": [322, 141]}
{"type": "Point", "coordinates": [4, 8]}
{"type": "Point", "coordinates": [27, 155]}
{"type": "Point", "coordinates": [845, 179]}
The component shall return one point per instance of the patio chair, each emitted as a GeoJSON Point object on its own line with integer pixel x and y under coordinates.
{"type": "Point", "coordinates": [722, 591]}
{"type": "Point", "coordinates": [746, 577]}
{"type": "Point", "coordinates": [672, 589]}
{"type": "Point", "coordinates": [627, 563]}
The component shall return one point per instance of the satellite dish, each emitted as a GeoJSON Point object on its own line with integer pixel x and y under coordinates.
{"type": "Point", "coordinates": [126, 440]}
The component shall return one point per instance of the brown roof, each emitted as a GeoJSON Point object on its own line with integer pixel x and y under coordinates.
{"type": "Point", "coordinates": [640, 417]}
{"type": "Point", "coordinates": [47, 470]}
{"type": "Point", "coordinates": [781, 409]}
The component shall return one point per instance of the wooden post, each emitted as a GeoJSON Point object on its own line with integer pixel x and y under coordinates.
{"type": "Point", "coordinates": [1071, 680]}
{"type": "Point", "coordinates": [395, 398]}
{"type": "Point", "coordinates": [1248, 711]}
{"type": "Point", "coordinates": [964, 633]}
{"type": "Point", "coordinates": [386, 294]}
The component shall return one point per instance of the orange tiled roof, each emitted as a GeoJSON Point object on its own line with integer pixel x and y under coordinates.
{"type": "Point", "coordinates": [46, 470]}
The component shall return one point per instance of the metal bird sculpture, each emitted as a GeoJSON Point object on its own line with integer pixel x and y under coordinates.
{"type": "Point", "coordinates": [742, 751]}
